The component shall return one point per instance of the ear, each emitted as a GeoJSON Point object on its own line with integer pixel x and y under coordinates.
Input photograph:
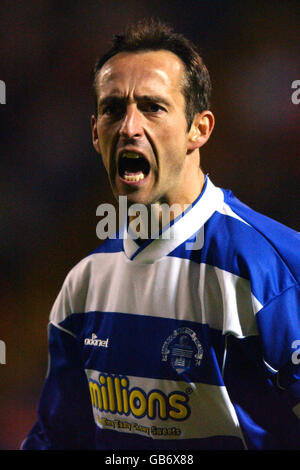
{"type": "Point", "coordinates": [201, 129]}
{"type": "Point", "coordinates": [95, 138]}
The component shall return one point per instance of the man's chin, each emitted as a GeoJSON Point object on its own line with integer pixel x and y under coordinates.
{"type": "Point", "coordinates": [134, 194]}
{"type": "Point", "coordinates": [137, 199]}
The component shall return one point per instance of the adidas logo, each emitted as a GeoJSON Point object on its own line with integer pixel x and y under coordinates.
{"type": "Point", "coordinates": [94, 341]}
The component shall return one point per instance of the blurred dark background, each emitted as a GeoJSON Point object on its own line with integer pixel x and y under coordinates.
{"type": "Point", "coordinates": [52, 180]}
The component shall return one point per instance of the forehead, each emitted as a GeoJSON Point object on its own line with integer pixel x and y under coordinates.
{"type": "Point", "coordinates": [141, 72]}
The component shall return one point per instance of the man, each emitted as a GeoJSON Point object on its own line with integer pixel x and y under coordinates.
{"type": "Point", "coordinates": [184, 339]}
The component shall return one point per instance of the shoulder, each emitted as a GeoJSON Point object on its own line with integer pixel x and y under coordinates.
{"type": "Point", "coordinates": [254, 247]}
{"type": "Point", "coordinates": [275, 237]}
{"type": "Point", "coordinates": [83, 277]}
{"type": "Point", "coordinates": [98, 260]}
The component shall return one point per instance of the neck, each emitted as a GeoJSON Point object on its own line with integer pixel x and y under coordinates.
{"type": "Point", "coordinates": [151, 219]}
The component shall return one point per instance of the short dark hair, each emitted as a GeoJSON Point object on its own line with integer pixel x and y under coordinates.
{"type": "Point", "coordinates": [153, 35]}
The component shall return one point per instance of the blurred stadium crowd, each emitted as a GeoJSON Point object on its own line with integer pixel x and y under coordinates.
{"type": "Point", "coordinates": [52, 180]}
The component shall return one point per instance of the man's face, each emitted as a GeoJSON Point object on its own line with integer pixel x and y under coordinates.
{"type": "Point", "coordinates": [141, 128]}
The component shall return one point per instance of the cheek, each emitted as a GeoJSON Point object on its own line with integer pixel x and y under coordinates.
{"type": "Point", "coordinates": [164, 138]}
{"type": "Point", "coordinates": [104, 141]}
{"type": "Point", "coordinates": [175, 129]}
{"type": "Point", "coordinates": [174, 141]}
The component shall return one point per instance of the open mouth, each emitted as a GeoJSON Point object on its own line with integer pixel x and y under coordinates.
{"type": "Point", "coordinates": [133, 167]}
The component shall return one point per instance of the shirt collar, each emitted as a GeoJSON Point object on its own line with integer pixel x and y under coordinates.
{"type": "Point", "coordinates": [182, 228]}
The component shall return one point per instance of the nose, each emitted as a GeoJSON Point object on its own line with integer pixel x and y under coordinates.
{"type": "Point", "coordinates": [132, 124]}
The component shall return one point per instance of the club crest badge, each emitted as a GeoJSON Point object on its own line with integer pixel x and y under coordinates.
{"type": "Point", "coordinates": [182, 350]}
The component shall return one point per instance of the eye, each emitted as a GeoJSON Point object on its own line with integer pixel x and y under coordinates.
{"type": "Point", "coordinates": [109, 109]}
{"type": "Point", "coordinates": [151, 107]}
{"type": "Point", "coordinates": [112, 110]}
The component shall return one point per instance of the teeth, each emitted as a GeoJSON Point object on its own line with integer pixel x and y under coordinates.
{"type": "Point", "coordinates": [136, 177]}
{"type": "Point", "coordinates": [130, 155]}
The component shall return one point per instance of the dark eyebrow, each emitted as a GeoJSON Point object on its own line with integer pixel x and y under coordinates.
{"type": "Point", "coordinates": [111, 99]}
{"type": "Point", "coordinates": [154, 99]}
{"type": "Point", "coordinates": [114, 99]}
